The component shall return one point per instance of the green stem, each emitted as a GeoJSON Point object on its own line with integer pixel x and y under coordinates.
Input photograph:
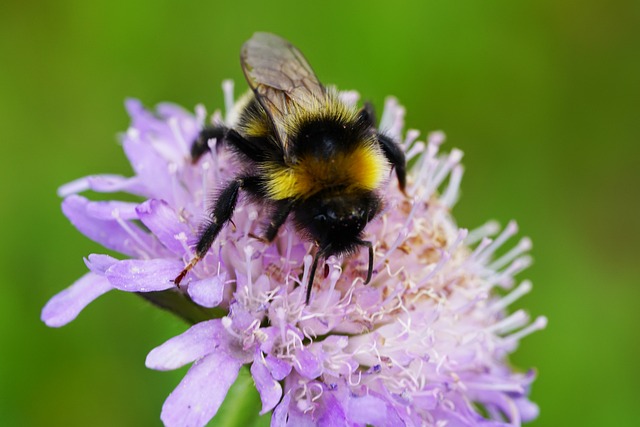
{"type": "Point", "coordinates": [182, 306]}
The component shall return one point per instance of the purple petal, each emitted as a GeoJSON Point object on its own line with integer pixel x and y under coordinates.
{"type": "Point", "coordinates": [307, 364]}
{"type": "Point", "coordinates": [279, 368]}
{"type": "Point", "coordinates": [196, 342]}
{"type": "Point", "coordinates": [280, 414]}
{"type": "Point", "coordinates": [170, 131]}
{"type": "Point", "coordinates": [332, 412]}
{"type": "Point", "coordinates": [286, 414]}
{"type": "Point", "coordinates": [108, 210]}
{"type": "Point", "coordinates": [114, 183]}
{"type": "Point", "coordinates": [295, 256]}
{"type": "Point", "coordinates": [65, 306]}
{"type": "Point", "coordinates": [269, 389]}
{"type": "Point", "coordinates": [271, 335]}
{"type": "Point", "coordinates": [208, 292]}
{"type": "Point", "coordinates": [149, 165]}
{"type": "Point", "coordinates": [109, 233]}
{"type": "Point", "coordinates": [528, 410]}
{"type": "Point", "coordinates": [142, 119]}
{"type": "Point", "coordinates": [164, 223]}
{"type": "Point", "coordinates": [169, 109]}
{"type": "Point", "coordinates": [371, 410]}
{"type": "Point", "coordinates": [103, 184]}
{"type": "Point", "coordinates": [201, 392]}
{"type": "Point", "coordinates": [99, 263]}
{"type": "Point", "coordinates": [133, 275]}
{"type": "Point", "coordinates": [242, 317]}
{"type": "Point", "coordinates": [367, 297]}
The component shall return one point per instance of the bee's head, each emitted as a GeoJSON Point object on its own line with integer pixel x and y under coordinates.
{"type": "Point", "coordinates": [336, 221]}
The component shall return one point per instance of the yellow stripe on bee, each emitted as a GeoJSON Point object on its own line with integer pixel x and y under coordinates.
{"type": "Point", "coordinates": [364, 168]}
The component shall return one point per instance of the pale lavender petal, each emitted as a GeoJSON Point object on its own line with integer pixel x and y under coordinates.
{"type": "Point", "coordinates": [279, 368]}
{"type": "Point", "coordinates": [208, 292]}
{"type": "Point", "coordinates": [528, 410]}
{"type": "Point", "coordinates": [242, 318]}
{"type": "Point", "coordinates": [307, 364]}
{"type": "Point", "coordinates": [286, 414]}
{"type": "Point", "coordinates": [99, 263]}
{"type": "Point", "coordinates": [150, 166]}
{"type": "Point", "coordinates": [271, 335]}
{"type": "Point", "coordinates": [371, 410]}
{"type": "Point", "coordinates": [104, 184]}
{"type": "Point", "coordinates": [142, 120]}
{"type": "Point", "coordinates": [134, 275]}
{"type": "Point", "coordinates": [76, 186]}
{"type": "Point", "coordinates": [269, 389]}
{"type": "Point", "coordinates": [281, 413]}
{"type": "Point", "coordinates": [196, 342]}
{"type": "Point", "coordinates": [368, 297]}
{"type": "Point", "coordinates": [186, 124]}
{"type": "Point", "coordinates": [115, 183]}
{"type": "Point", "coordinates": [65, 306]}
{"type": "Point", "coordinates": [392, 120]}
{"type": "Point", "coordinates": [296, 418]}
{"type": "Point", "coordinates": [300, 419]}
{"type": "Point", "coordinates": [332, 413]}
{"type": "Point", "coordinates": [272, 255]}
{"type": "Point", "coordinates": [164, 223]}
{"type": "Point", "coordinates": [427, 401]}
{"type": "Point", "coordinates": [112, 209]}
{"type": "Point", "coordinates": [200, 393]}
{"type": "Point", "coordinates": [168, 110]}
{"type": "Point", "coordinates": [109, 233]}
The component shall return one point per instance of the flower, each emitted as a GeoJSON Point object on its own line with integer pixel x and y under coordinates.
{"type": "Point", "coordinates": [424, 343]}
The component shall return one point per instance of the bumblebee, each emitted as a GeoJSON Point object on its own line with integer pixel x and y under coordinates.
{"type": "Point", "coordinates": [306, 155]}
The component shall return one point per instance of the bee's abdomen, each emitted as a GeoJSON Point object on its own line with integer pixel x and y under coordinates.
{"type": "Point", "coordinates": [363, 168]}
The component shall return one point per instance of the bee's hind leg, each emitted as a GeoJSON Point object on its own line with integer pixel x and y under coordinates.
{"type": "Point", "coordinates": [395, 156]}
{"type": "Point", "coordinates": [390, 148]}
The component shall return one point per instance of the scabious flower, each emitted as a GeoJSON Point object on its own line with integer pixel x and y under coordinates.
{"type": "Point", "coordinates": [424, 344]}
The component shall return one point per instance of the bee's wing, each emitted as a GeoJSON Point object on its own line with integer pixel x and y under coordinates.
{"type": "Point", "coordinates": [280, 77]}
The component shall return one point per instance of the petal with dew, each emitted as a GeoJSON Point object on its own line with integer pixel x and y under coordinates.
{"type": "Point", "coordinates": [111, 209]}
{"type": "Point", "coordinates": [150, 166]}
{"type": "Point", "coordinates": [143, 120]}
{"type": "Point", "coordinates": [109, 233]}
{"type": "Point", "coordinates": [193, 344]}
{"type": "Point", "coordinates": [279, 368]}
{"type": "Point", "coordinates": [208, 292]}
{"type": "Point", "coordinates": [134, 275]}
{"type": "Point", "coordinates": [164, 223]}
{"type": "Point", "coordinates": [200, 393]}
{"type": "Point", "coordinates": [371, 410]}
{"type": "Point", "coordinates": [307, 364]}
{"type": "Point", "coordinates": [99, 263]}
{"type": "Point", "coordinates": [270, 390]}
{"type": "Point", "coordinates": [280, 414]}
{"type": "Point", "coordinates": [106, 183]}
{"type": "Point", "coordinates": [286, 414]}
{"type": "Point", "coordinates": [65, 306]}
{"type": "Point", "coordinates": [332, 412]}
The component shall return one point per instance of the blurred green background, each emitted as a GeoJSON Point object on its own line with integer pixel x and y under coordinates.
{"type": "Point", "coordinates": [542, 96]}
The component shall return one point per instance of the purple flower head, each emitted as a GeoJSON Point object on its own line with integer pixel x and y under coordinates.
{"type": "Point", "coordinates": [425, 343]}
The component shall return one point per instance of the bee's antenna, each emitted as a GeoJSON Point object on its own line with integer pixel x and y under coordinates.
{"type": "Point", "coordinates": [312, 275]}
{"type": "Point", "coordinates": [370, 270]}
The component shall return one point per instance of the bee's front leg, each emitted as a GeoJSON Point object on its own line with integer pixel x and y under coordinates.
{"type": "Point", "coordinates": [221, 213]}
